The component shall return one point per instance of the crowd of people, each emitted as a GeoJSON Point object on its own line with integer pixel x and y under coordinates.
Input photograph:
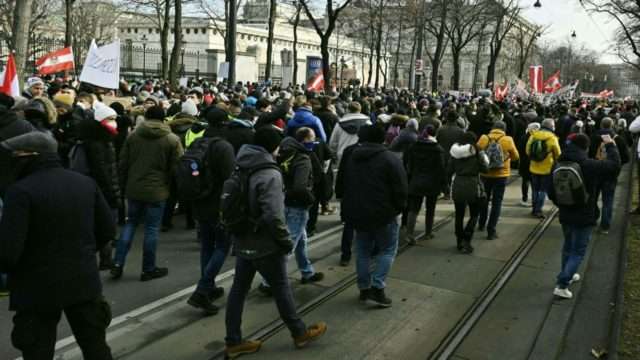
{"type": "Point", "coordinates": [253, 166]}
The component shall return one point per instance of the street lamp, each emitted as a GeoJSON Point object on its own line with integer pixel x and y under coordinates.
{"type": "Point", "coordinates": [537, 4]}
{"type": "Point", "coordinates": [573, 34]}
{"type": "Point", "coordinates": [182, 50]}
{"type": "Point", "coordinates": [144, 55]}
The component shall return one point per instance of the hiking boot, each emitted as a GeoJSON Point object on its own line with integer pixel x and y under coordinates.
{"type": "Point", "coordinates": [562, 293]}
{"type": "Point", "coordinates": [265, 290]}
{"type": "Point", "coordinates": [313, 332]}
{"type": "Point", "coordinates": [364, 294]}
{"type": "Point", "coordinates": [313, 278]}
{"type": "Point", "coordinates": [538, 215]}
{"type": "Point", "coordinates": [344, 261]}
{"type": "Point", "coordinates": [429, 236]}
{"type": "Point", "coordinates": [201, 301]}
{"type": "Point", "coordinates": [378, 297]}
{"type": "Point", "coordinates": [492, 236]}
{"type": "Point", "coordinates": [411, 240]}
{"type": "Point", "coordinates": [156, 273]}
{"type": "Point", "coordinates": [216, 293]}
{"type": "Point", "coordinates": [116, 272]}
{"type": "Point", "coordinates": [246, 347]}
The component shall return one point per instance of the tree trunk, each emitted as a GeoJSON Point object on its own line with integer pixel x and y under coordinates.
{"type": "Point", "coordinates": [272, 25]}
{"type": "Point", "coordinates": [296, 21]}
{"type": "Point", "coordinates": [476, 68]}
{"type": "Point", "coordinates": [370, 73]}
{"type": "Point", "coordinates": [491, 71]}
{"type": "Point", "coordinates": [435, 72]}
{"type": "Point", "coordinates": [455, 55]}
{"type": "Point", "coordinates": [164, 40]}
{"type": "Point", "coordinates": [397, 59]}
{"type": "Point", "coordinates": [231, 32]}
{"type": "Point", "coordinates": [174, 64]}
{"type": "Point", "coordinates": [378, 49]}
{"type": "Point", "coordinates": [67, 29]}
{"type": "Point", "coordinates": [324, 50]}
{"type": "Point", "coordinates": [20, 37]}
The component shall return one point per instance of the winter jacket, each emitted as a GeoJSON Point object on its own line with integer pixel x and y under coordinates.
{"type": "Point", "coordinates": [221, 161]}
{"type": "Point", "coordinates": [621, 144]}
{"type": "Point", "coordinates": [297, 172]}
{"type": "Point", "coordinates": [373, 186]}
{"type": "Point", "coordinates": [553, 152]}
{"type": "Point", "coordinates": [346, 133]}
{"type": "Point", "coordinates": [180, 124]}
{"type": "Point", "coordinates": [269, 118]}
{"type": "Point", "coordinates": [509, 151]}
{"type": "Point", "coordinates": [524, 162]}
{"type": "Point", "coordinates": [239, 132]}
{"type": "Point", "coordinates": [305, 118]}
{"type": "Point", "coordinates": [466, 164]}
{"type": "Point", "coordinates": [13, 125]}
{"type": "Point", "coordinates": [266, 206]}
{"type": "Point", "coordinates": [101, 158]}
{"type": "Point", "coordinates": [432, 120]}
{"type": "Point", "coordinates": [148, 161]}
{"type": "Point", "coordinates": [406, 138]}
{"type": "Point", "coordinates": [49, 236]}
{"type": "Point", "coordinates": [593, 171]}
{"type": "Point", "coordinates": [426, 169]}
{"type": "Point", "coordinates": [328, 119]}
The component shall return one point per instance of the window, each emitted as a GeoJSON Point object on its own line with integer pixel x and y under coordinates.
{"type": "Point", "coordinates": [129, 30]}
{"type": "Point", "coordinates": [150, 31]}
{"type": "Point", "coordinates": [188, 30]}
{"type": "Point", "coordinates": [157, 30]}
{"type": "Point", "coordinates": [242, 36]}
{"type": "Point", "coordinates": [135, 30]}
{"type": "Point", "coordinates": [203, 30]}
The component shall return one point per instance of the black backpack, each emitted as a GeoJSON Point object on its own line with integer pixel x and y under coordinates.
{"type": "Point", "coordinates": [193, 176]}
{"type": "Point", "coordinates": [235, 212]}
{"type": "Point", "coordinates": [568, 184]}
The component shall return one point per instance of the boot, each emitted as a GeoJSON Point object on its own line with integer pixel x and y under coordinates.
{"type": "Point", "coordinates": [412, 217]}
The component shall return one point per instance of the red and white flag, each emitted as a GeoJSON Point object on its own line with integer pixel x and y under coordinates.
{"type": "Point", "coordinates": [317, 84]}
{"type": "Point", "coordinates": [552, 84]}
{"type": "Point", "coordinates": [535, 78]}
{"type": "Point", "coordinates": [10, 85]}
{"type": "Point", "coordinates": [605, 94]}
{"type": "Point", "coordinates": [501, 92]}
{"type": "Point", "coordinates": [56, 61]}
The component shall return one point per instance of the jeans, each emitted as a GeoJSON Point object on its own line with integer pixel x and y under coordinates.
{"type": "Point", "coordinates": [494, 187]}
{"type": "Point", "coordinates": [138, 211]}
{"type": "Point", "coordinates": [34, 331]}
{"type": "Point", "coordinates": [385, 239]}
{"type": "Point", "coordinates": [576, 240]}
{"type": "Point", "coordinates": [466, 232]}
{"type": "Point", "coordinates": [415, 203]}
{"type": "Point", "coordinates": [347, 241]}
{"type": "Point", "coordinates": [273, 268]}
{"type": "Point", "coordinates": [539, 186]}
{"type": "Point", "coordinates": [608, 192]}
{"type": "Point", "coordinates": [214, 248]}
{"type": "Point", "coordinates": [297, 225]}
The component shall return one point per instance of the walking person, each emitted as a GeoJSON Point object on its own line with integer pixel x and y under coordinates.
{"type": "Point", "coordinates": [374, 193]}
{"type": "Point", "coordinates": [500, 150]}
{"type": "Point", "coordinates": [467, 191]}
{"type": "Point", "coordinates": [525, 163]}
{"type": "Point", "coordinates": [264, 247]}
{"type": "Point", "coordinates": [147, 163]}
{"type": "Point", "coordinates": [44, 286]}
{"type": "Point", "coordinates": [543, 150]}
{"type": "Point", "coordinates": [576, 199]}
{"type": "Point", "coordinates": [449, 134]}
{"type": "Point", "coordinates": [426, 174]}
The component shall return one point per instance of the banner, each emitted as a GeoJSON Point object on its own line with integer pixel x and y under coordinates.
{"type": "Point", "coordinates": [315, 78]}
{"type": "Point", "coordinates": [56, 61]}
{"type": "Point", "coordinates": [552, 84]}
{"type": "Point", "coordinates": [10, 85]}
{"type": "Point", "coordinates": [535, 78]}
{"type": "Point", "coordinates": [102, 66]}
{"type": "Point", "coordinates": [501, 92]}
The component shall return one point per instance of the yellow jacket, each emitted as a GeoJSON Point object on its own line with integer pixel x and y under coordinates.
{"type": "Point", "coordinates": [553, 152]}
{"type": "Point", "coordinates": [508, 148]}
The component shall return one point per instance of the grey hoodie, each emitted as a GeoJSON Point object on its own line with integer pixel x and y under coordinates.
{"type": "Point", "coordinates": [346, 133]}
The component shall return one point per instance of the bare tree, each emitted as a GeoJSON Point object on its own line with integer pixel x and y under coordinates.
{"type": "Point", "coordinates": [296, 21]}
{"type": "Point", "coordinates": [525, 40]}
{"type": "Point", "coordinates": [92, 20]}
{"type": "Point", "coordinates": [225, 24]}
{"type": "Point", "coordinates": [21, 32]}
{"type": "Point", "coordinates": [272, 25]}
{"type": "Point", "coordinates": [379, 22]}
{"type": "Point", "coordinates": [177, 44]}
{"type": "Point", "coordinates": [325, 34]}
{"type": "Point", "coordinates": [68, 10]}
{"type": "Point", "coordinates": [436, 25]}
{"type": "Point", "coordinates": [505, 14]}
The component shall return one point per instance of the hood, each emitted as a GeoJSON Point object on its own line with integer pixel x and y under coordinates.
{"type": "Point", "coordinates": [290, 145]}
{"type": "Point", "coordinates": [199, 126]}
{"type": "Point", "coordinates": [301, 117]}
{"type": "Point", "coordinates": [367, 151]}
{"type": "Point", "coordinates": [253, 155]}
{"type": "Point", "coordinates": [462, 151]}
{"type": "Point", "coordinates": [495, 134]}
{"type": "Point", "coordinates": [351, 123]}
{"type": "Point", "coordinates": [543, 134]}
{"type": "Point", "coordinates": [573, 153]}
{"type": "Point", "coordinates": [181, 123]}
{"type": "Point", "coordinates": [399, 120]}
{"type": "Point", "coordinates": [153, 129]}
{"type": "Point", "coordinates": [52, 113]}
{"type": "Point", "coordinates": [430, 144]}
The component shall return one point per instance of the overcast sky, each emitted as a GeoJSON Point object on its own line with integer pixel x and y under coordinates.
{"type": "Point", "coordinates": [564, 16]}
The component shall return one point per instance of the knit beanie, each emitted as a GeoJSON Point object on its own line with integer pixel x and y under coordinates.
{"type": "Point", "coordinates": [155, 113]}
{"type": "Point", "coordinates": [215, 115]}
{"type": "Point", "coordinates": [413, 123]}
{"type": "Point", "coordinates": [63, 100]}
{"type": "Point", "coordinates": [267, 137]}
{"type": "Point", "coordinates": [102, 112]}
{"type": "Point", "coordinates": [582, 141]}
{"type": "Point", "coordinates": [190, 108]}
{"type": "Point", "coordinates": [34, 141]}
{"type": "Point", "coordinates": [371, 134]}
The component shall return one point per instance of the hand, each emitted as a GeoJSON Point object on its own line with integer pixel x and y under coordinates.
{"type": "Point", "coordinates": [607, 139]}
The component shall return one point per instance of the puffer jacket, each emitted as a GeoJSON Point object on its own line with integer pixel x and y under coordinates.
{"type": "Point", "coordinates": [266, 205]}
{"type": "Point", "coordinates": [346, 133]}
{"type": "Point", "coordinates": [466, 164]}
{"type": "Point", "coordinates": [404, 140]}
{"type": "Point", "coordinates": [297, 172]}
{"type": "Point", "coordinates": [305, 118]}
{"type": "Point", "coordinates": [449, 134]}
{"type": "Point", "coordinates": [221, 163]}
{"type": "Point", "coordinates": [553, 152]}
{"type": "Point", "coordinates": [425, 166]}
{"type": "Point", "coordinates": [509, 151]}
{"type": "Point", "coordinates": [180, 124]}
{"type": "Point", "coordinates": [148, 161]}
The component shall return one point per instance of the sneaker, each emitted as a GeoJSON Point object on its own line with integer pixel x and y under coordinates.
{"type": "Point", "coordinates": [156, 273]}
{"type": "Point", "coordinates": [330, 210]}
{"type": "Point", "coordinates": [411, 240]}
{"type": "Point", "coordinates": [466, 249]}
{"type": "Point", "coordinates": [216, 293]}
{"type": "Point", "coordinates": [378, 297]}
{"type": "Point", "coordinates": [364, 294]}
{"type": "Point", "coordinates": [492, 236]}
{"type": "Point", "coordinates": [524, 203]}
{"type": "Point", "coordinates": [247, 347]}
{"type": "Point", "coordinates": [265, 290]}
{"type": "Point", "coordinates": [313, 332]}
{"type": "Point", "coordinates": [318, 276]}
{"type": "Point", "coordinates": [201, 301]}
{"type": "Point", "coordinates": [576, 277]}
{"type": "Point", "coordinates": [116, 272]}
{"type": "Point", "coordinates": [563, 293]}
{"type": "Point", "coordinates": [344, 262]}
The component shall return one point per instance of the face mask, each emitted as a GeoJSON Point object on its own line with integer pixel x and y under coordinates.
{"type": "Point", "coordinates": [310, 145]}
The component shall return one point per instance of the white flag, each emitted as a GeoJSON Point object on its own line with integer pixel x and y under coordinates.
{"type": "Point", "coordinates": [102, 66]}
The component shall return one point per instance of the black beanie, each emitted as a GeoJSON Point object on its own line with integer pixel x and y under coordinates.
{"type": "Point", "coordinates": [215, 115]}
{"type": "Point", "coordinates": [118, 107]}
{"type": "Point", "coordinates": [267, 137]}
{"type": "Point", "coordinates": [371, 134]}
{"type": "Point", "coordinates": [582, 141]}
{"type": "Point", "coordinates": [155, 113]}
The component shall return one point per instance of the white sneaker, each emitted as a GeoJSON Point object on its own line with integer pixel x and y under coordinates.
{"type": "Point", "coordinates": [563, 293]}
{"type": "Point", "coordinates": [576, 277]}
{"type": "Point", "coordinates": [524, 203]}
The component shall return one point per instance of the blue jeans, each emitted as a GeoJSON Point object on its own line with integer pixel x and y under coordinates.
{"type": "Point", "coordinates": [494, 187]}
{"type": "Point", "coordinates": [608, 191]}
{"type": "Point", "coordinates": [214, 248]}
{"type": "Point", "coordinates": [539, 187]}
{"type": "Point", "coordinates": [151, 214]}
{"type": "Point", "coordinates": [385, 239]}
{"type": "Point", "coordinates": [297, 224]}
{"type": "Point", "coordinates": [576, 240]}
{"type": "Point", "coordinates": [273, 268]}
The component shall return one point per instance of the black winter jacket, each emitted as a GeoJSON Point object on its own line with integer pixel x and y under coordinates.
{"type": "Point", "coordinates": [297, 172]}
{"type": "Point", "coordinates": [239, 132]}
{"type": "Point", "coordinates": [426, 169]}
{"type": "Point", "coordinates": [467, 164]}
{"type": "Point", "coordinates": [221, 163]}
{"type": "Point", "coordinates": [53, 222]}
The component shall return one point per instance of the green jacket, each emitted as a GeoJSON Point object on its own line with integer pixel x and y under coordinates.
{"type": "Point", "coordinates": [148, 162]}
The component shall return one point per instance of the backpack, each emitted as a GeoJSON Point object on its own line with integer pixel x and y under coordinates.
{"type": "Point", "coordinates": [495, 154]}
{"type": "Point", "coordinates": [568, 184]}
{"type": "Point", "coordinates": [193, 175]}
{"type": "Point", "coordinates": [538, 150]}
{"type": "Point", "coordinates": [235, 212]}
{"type": "Point", "coordinates": [78, 159]}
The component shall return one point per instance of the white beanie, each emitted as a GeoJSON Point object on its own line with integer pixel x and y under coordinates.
{"type": "Point", "coordinates": [32, 81]}
{"type": "Point", "coordinates": [533, 126]}
{"type": "Point", "coordinates": [189, 107]}
{"type": "Point", "coordinates": [102, 111]}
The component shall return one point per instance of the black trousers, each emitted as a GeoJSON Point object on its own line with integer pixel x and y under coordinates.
{"type": "Point", "coordinates": [415, 203]}
{"type": "Point", "coordinates": [34, 331]}
{"type": "Point", "coordinates": [465, 233]}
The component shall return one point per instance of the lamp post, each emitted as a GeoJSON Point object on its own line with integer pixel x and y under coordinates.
{"type": "Point", "coordinates": [144, 55]}
{"type": "Point", "coordinates": [182, 50]}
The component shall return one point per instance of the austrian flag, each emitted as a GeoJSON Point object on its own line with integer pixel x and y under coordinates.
{"type": "Point", "coordinates": [56, 61]}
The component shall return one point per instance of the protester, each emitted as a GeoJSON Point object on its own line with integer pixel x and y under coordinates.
{"type": "Point", "coordinates": [304, 118]}
{"type": "Point", "coordinates": [524, 163]}
{"type": "Point", "coordinates": [543, 150]}
{"type": "Point", "coordinates": [34, 88]}
{"type": "Point", "coordinates": [346, 133]}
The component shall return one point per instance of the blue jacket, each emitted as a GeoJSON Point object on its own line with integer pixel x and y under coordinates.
{"type": "Point", "coordinates": [305, 118]}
